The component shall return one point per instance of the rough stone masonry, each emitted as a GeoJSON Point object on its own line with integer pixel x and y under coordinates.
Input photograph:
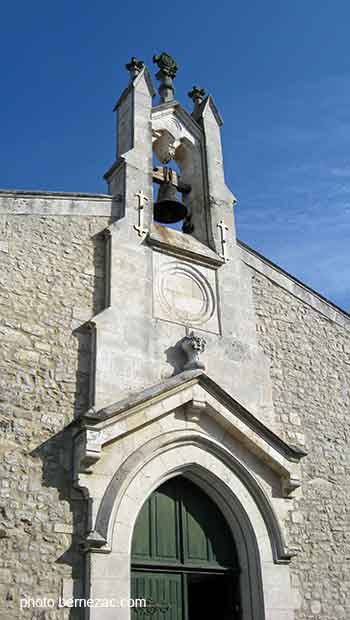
{"type": "Point", "coordinates": [99, 403]}
{"type": "Point", "coordinates": [52, 281]}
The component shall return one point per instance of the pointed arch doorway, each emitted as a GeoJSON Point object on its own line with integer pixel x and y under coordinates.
{"type": "Point", "coordinates": [184, 559]}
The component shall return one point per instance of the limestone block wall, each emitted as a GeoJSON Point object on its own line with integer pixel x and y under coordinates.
{"type": "Point", "coordinates": [310, 370]}
{"type": "Point", "coordinates": [51, 281]}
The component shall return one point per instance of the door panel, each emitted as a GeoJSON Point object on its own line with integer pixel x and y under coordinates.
{"type": "Point", "coordinates": [206, 536]}
{"type": "Point", "coordinates": [181, 524]}
{"type": "Point", "coordinates": [165, 511]}
{"type": "Point", "coordinates": [141, 542]}
{"type": "Point", "coordinates": [184, 560]}
{"type": "Point", "coordinates": [156, 533]}
{"type": "Point", "coordinates": [163, 594]}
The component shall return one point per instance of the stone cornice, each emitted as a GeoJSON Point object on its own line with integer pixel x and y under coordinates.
{"type": "Point", "coordinates": [182, 246]}
{"type": "Point", "coordinates": [46, 194]}
{"type": "Point", "coordinates": [43, 203]}
{"type": "Point", "coordinates": [292, 285]}
{"type": "Point", "coordinates": [178, 383]}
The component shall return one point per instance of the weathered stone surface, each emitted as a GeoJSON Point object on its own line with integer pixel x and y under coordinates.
{"type": "Point", "coordinates": [54, 270]}
{"type": "Point", "coordinates": [310, 371]}
{"type": "Point", "coordinates": [93, 323]}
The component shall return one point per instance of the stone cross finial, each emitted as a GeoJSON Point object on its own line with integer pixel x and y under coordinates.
{"type": "Point", "coordinates": [223, 234]}
{"type": "Point", "coordinates": [166, 74]}
{"type": "Point", "coordinates": [193, 345]}
{"type": "Point", "coordinates": [142, 199]}
{"type": "Point", "coordinates": [134, 67]}
{"type": "Point", "coordinates": [197, 95]}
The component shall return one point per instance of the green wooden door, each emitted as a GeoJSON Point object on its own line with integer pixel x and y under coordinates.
{"type": "Point", "coordinates": [182, 546]}
{"type": "Point", "coordinates": [162, 593]}
{"type": "Point", "coordinates": [205, 535]}
{"type": "Point", "coordinates": [180, 525]}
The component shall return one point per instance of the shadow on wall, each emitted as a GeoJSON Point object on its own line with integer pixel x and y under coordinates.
{"type": "Point", "coordinates": [84, 390]}
{"type": "Point", "coordinates": [100, 298]}
{"type": "Point", "coordinates": [68, 512]}
{"type": "Point", "coordinates": [176, 357]}
{"type": "Point", "coordinates": [117, 210]}
{"type": "Point", "coordinates": [85, 333]}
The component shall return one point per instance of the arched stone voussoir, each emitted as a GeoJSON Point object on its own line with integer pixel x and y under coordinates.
{"type": "Point", "coordinates": [254, 524]}
{"type": "Point", "coordinates": [216, 463]}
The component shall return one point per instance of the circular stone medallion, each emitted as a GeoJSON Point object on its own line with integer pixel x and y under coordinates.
{"type": "Point", "coordinates": [185, 294]}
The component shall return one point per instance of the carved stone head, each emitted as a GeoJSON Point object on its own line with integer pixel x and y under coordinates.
{"type": "Point", "coordinates": [193, 346]}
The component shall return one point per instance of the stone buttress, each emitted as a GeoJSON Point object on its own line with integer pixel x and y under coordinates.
{"type": "Point", "coordinates": [164, 284]}
{"type": "Point", "coordinates": [180, 384]}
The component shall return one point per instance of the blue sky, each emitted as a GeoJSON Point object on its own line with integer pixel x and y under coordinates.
{"type": "Point", "coordinates": [279, 72]}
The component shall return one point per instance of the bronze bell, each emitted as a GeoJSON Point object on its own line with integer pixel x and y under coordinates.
{"type": "Point", "coordinates": [168, 209]}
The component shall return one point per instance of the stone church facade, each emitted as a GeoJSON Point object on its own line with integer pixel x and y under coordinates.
{"type": "Point", "coordinates": [174, 407]}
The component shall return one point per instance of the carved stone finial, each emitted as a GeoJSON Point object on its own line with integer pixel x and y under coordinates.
{"type": "Point", "coordinates": [166, 64]}
{"type": "Point", "coordinates": [166, 74]}
{"type": "Point", "coordinates": [193, 346]}
{"type": "Point", "coordinates": [197, 95]}
{"type": "Point", "coordinates": [134, 67]}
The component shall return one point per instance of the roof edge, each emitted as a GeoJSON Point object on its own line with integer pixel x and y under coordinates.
{"type": "Point", "coordinates": [296, 287]}
{"type": "Point", "coordinates": [47, 194]}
